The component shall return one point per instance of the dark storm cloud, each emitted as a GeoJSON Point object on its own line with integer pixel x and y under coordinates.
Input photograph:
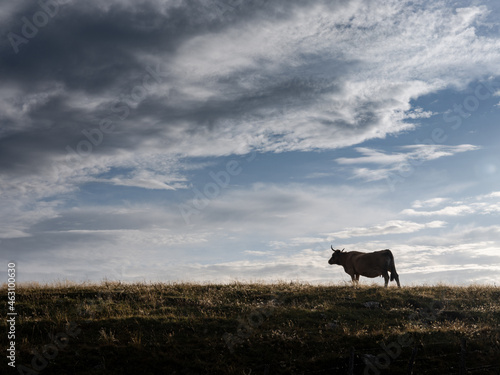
{"type": "Point", "coordinates": [92, 47]}
{"type": "Point", "coordinates": [99, 52]}
{"type": "Point", "coordinates": [272, 94]}
{"type": "Point", "coordinates": [44, 131]}
{"type": "Point", "coordinates": [173, 77]}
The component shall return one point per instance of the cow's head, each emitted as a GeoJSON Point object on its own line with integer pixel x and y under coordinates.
{"type": "Point", "coordinates": [335, 259]}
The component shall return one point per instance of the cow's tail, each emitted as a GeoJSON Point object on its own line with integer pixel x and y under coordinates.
{"type": "Point", "coordinates": [392, 266]}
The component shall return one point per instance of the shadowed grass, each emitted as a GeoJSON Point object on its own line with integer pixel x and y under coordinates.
{"type": "Point", "coordinates": [275, 328]}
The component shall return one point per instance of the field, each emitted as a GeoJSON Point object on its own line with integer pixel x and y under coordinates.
{"type": "Point", "coordinates": [285, 328]}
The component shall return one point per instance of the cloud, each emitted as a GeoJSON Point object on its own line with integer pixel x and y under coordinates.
{"type": "Point", "coordinates": [317, 175]}
{"type": "Point", "coordinates": [390, 227]}
{"type": "Point", "coordinates": [238, 223]}
{"type": "Point", "coordinates": [446, 211]}
{"type": "Point", "coordinates": [399, 162]}
{"type": "Point", "coordinates": [291, 244]}
{"type": "Point", "coordinates": [284, 210]}
{"type": "Point", "coordinates": [482, 204]}
{"type": "Point", "coordinates": [495, 194]}
{"type": "Point", "coordinates": [12, 233]}
{"type": "Point", "coordinates": [181, 80]}
{"type": "Point", "coordinates": [121, 94]}
{"type": "Point", "coordinates": [429, 203]}
{"type": "Point", "coordinates": [257, 253]}
{"type": "Point", "coordinates": [147, 180]}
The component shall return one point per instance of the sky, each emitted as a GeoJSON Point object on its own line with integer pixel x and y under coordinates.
{"type": "Point", "coordinates": [231, 140]}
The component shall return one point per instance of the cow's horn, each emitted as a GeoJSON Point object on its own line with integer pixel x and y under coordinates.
{"type": "Point", "coordinates": [343, 249]}
{"type": "Point", "coordinates": [332, 247]}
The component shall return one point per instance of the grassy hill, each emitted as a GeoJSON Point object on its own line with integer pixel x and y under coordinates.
{"type": "Point", "coordinates": [286, 328]}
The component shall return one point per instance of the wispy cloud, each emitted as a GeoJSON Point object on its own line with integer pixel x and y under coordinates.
{"type": "Point", "coordinates": [390, 227]}
{"type": "Point", "coordinates": [258, 253]}
{"type": "Point", "coordinates": [147, 180]}
{"type": "Point", "coordinates": [12, 233]}
{"type": "Point", "coordinates": [430, 202]}
{"type": "Point", "coordinates": [482, 204]}
{"type": "Point", "coordinates": [446, 211]}
{"type": "Point", "coordinates": [381, 165]}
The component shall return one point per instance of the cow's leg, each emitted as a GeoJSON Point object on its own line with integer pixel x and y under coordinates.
{"type": "Point", "coordinates": [357, 279]}
{"type": "Point", "coordinates": [386, 278]}
{"type": "Point", "coordinates": [396, 277]}
{"type": "Point", "coordinates": [353, 279]}
{"type": "Point", "coordinates": [394, 274]}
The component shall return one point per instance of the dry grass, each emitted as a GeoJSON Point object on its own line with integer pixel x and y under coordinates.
{"type": "Point", "coordinates": [232, 329]}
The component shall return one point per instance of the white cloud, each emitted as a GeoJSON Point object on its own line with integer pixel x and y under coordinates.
{"type": "Point", "coordinates": [390, 227]}
{"type": "Point", "coordinates": [150, 237]}
{"type": "Point", "coordinates": [446, 211]}
{"type": "Point", "coordinates": [17, 217]}
{"type": "Point", "coordinates": [12, 233]}
{"type": "Point", "coordinates": [372, 156]}
{"type": "Point", "coordinates": [408, 52]}
{"type": "Point", "coordinates": [148, 180]}
{"type": "Point", "coordinates": [467, 206]}
{"type": "Point", "coordinates": [307, 240]}
{"type": "Point", "coordinates": [433, 202]}
{"type": "Point", "coordinates": [418, 113]}
{"type": "Point", "coordinates": [258, 253]}
{"type": "Point", "coordinates": [399, 162]}
{"type": "Point", "coordinates": [494, 194]}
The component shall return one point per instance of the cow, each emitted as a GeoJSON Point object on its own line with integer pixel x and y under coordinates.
{"type": "Point", "coordinates": [358, 264]}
